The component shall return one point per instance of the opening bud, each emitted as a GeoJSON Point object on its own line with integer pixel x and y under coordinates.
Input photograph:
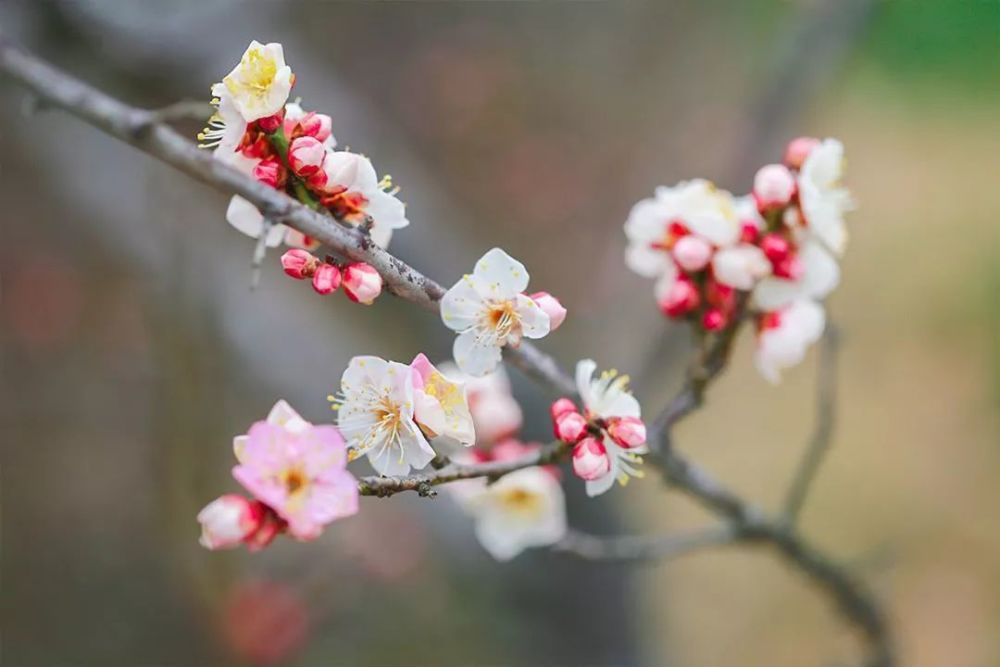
{"type": "Point", "coordinates": [305, 156]}
{"type": "Point", "coordinates": [552, 308]}
{"type": "Point", "coordinates": [362, 283]}
{"type": "Point", "coordinates": [773, 187]}
{"type": "Point", "coordinates": [326, 279]}
{"type": "Point", "coordinates": [299, 264]}
{"type": "Point", "coordinates": [570, 426]}
{"type": "Point", "coordinates": [227, 521]}
{"type": "Point", "coordinates": [270, 172]}
{"type": "Point", "coordinates": [627, 432]}
{"type": "Point", "coordinates": [317, 125]}
{"type": "Point", "coordinates": [270, 124]}
{"type": "Point", "coordinates": [560, 406]}
{"type": "Point", "coordinates": [692, 252]}
{"type": "Point", "coordinates": [680, 299]}
{"type": "Point", "coordinates": [590, 459]}
{"type": "Point", "coordinates": [798, 150]}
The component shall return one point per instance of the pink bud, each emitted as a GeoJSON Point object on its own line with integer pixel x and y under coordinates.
{"type": "Point", "coordinates": [789, 268]}
{"type": "Point", "coordinates": [227, 520]}
{"type": "Point", "coordinates": [628, 432]}
{"type": "Point", "coordinates": [305, 156]}
{"type": "Point", "coordinates": [299, 264]}
{"type": "Point", "coordinates": [714, 320]}
{"type": "Point", "coordinates": [326, 279]}
{"type": "Point", "coordinates": [317, 125]}
{"type": "Point", "coordinates": [773, 187]}
{"type": "Point", "coordinates": [798, 150]}
{"type": "Point", "coordinates": [590, 459]}
{"type": "Point", "coordinates": [270, 124]}
{"type": "Point", "coordinates": [692, 252]}
{"type": "Point", "coordinates": [271, 525]}
{"type": "Point", "coordinates": [775, 247]}
{"type": "Point", "coordinates": [719, 295]}
{"type": "Point", "coordinates": [560, 406]}
{"type": "Point", "coordinates": [270, 172]}
{"type": "Point", "coordinates": [552, 308]}
{"type": "Point", "coordinates": [681, 299]}
{"type": "Point", "coordinates": [749, 232]}
{"type": "Point", "coordinates": [362, 283]}
{"type": "Point", "coordinates": [569, 426]}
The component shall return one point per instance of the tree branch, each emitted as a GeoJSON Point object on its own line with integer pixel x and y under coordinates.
{"type": "Point", "coordinates": [826, 409]}
{"type": "Point", "coordinates": [631, 548]}
{"type": "Point", "coordinates": [142, 129]}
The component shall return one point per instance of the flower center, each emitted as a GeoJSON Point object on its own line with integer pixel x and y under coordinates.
{"type": "Point", "coordinates": [521, 501]}
{"type": "Point", "coordinates": [502, 318]}
{"type": "Point", "coordinates": [294, 480]}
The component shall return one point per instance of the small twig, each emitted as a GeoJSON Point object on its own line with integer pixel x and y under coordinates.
{"type": "Point", "coordinates": [826, 409]}
{"type": "Point", "coordinates": [182, 110]}
{"type": "Point", "coordinates": [383, 487]}
{"type": "Point", "coordinates": [631, 548]}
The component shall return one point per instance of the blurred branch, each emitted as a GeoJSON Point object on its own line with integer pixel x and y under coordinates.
{"type": "Point", "coordinates": [826, 409]}
{"type": "Point", "coordinates": [145, 130]}
{"type": "Point", "coordinates": [423, 484]}
{"type": "Point", "coordinates": [183, 110]}
{"type": "Point", "coordinates": [643, 548]}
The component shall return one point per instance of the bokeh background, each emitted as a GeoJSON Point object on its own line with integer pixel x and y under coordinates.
{"type": "Point", "coordinates": [133, 349]}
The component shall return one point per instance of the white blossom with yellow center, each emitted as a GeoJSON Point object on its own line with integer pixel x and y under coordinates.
{"type": "Point", "coordinates": [260, 84]}
{"type": "Point", "coordinates": [489, 310]}
{"type": "Point", "coordinates": [376, 416]}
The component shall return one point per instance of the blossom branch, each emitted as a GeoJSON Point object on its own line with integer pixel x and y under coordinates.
{"type": "Point", "coordinates": [644, 548]}
{"type": "Point", "coordinates": [826, 408]}
{"type": "Point", "coordinates": [144, 130]}
{"type": "Point", "coordinates": [423, 483]}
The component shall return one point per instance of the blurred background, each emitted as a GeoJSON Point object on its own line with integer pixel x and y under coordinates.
{"type": "Point", "coordinates": [133, 349]}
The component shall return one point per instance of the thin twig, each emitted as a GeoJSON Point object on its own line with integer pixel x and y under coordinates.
{"type": "Point", "coordinates": [183, 110]}
{"type": "Point", "coordinates": [826, 413]}
{"type": "Point", "coordinates": [631, 548]}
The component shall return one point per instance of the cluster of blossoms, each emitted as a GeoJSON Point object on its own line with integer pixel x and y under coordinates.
{"type": "Point", "coordinates": [773, 250]}
{"type": "Point", "coordinates": [297, 474]}
{"type": "Point", "coordinates": [259, 132]}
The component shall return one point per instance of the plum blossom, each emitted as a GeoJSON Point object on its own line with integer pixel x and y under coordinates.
{"type": "Point", "coordinates": [785, 335]}
{"type": "Point", "coordinates": [260, 84]}
{"type": "Point", "coordinates": [817, 276]}
{"type": "Point", "coordinates": [301, 475]}
{"type": "Point", "coordinates": [441, 407]}
{"type": "Point", "coordinates": [822, 197]}
{"type": "Point", "coordinates": [351, 189]}
{"type": "Point", "coordinates": [376, 413]}
{"type": "Point", "coordinates": [282, 414]}
{"type": "Point", "coordinates": [489, 310]}
{"type": "Point", "coordinates": [605, 399]}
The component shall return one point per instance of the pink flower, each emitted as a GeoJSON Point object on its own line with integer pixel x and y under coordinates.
{"type": "Point", "coordinates": [362, 283]}
{"type": "Point", "coordinates": [228, 520]}
{"type": "Point", "coordinates": [301, 475]}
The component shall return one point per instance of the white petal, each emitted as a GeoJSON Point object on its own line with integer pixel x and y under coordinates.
{"type": "Point", "coordinates": [500, 276]}
{"type": "Point", "coordinates": [822, 274]}
{"type": "Point", "coordinates": [584, 376]}
{"type": "Point", "coordinates": [647, 261]}
{"type": "Point", "coordinates": [740, 266]}
{"type": "Point", "coordinates": [245, 217]}
{"type": "Point", "coordinates": [666, 282]}
{"type": "Point", "coordinates": [596, 487]}
{"type": "Point", "coordinates": [476, 354]}
{"type": "Point", "coordinates": [462, 305]}
{"type": "Point", "coordinates": [534, 321]}
{"type": "Point", "coordinates": [387, 210]}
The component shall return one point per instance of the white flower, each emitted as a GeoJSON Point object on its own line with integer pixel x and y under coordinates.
{"type": "Point", "coordinates": [785, 336]}
{"type": "Point", "coordinates": [495, 412]}
{"type": "Point", "coordinates": [259, 85]}
{"type": "Point", "coordinates": [820, 276]}
{"type": "Point", "coordinates": [489, 310]}
{"type": "Point", "coordinates": [225, 128]}
{"type": "Point", "coordinates": [356, 191]}
{"type": "Point", "coordinates": [604, 398]}
{"type": "Point", "coordinates": [698, 205]}
{"type": "Point", "coordinates": [526, 508]}
{"type": "Point", "coordinates": [822, 197]}
{"type": "Point", "coordinates": [281, 414]}
{"type": "Point", "coordinates": [376, 416]}
{"type": "Point", "coordinates": [740, 266]}
{"type": "Point", "coordinates": [441, 406]}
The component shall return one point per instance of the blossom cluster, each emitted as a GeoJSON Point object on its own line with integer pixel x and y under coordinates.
{"type": "Point", "coordinates": [257, 131]}
{"type": "Point", "coordinates": [772, 252]}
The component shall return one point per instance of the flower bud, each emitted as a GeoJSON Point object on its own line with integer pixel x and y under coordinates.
{"type": "Point", "coordinates": [590, 459]}
{"type": "Point", "coordinates": [714, 320]}
{"type": "Point", "coordinates": [299, 264]}
{"type": "Point", "coordinates": [270, 124]}
{"type": "Point", "coordinates": [749, 231]}
{"type": "Point", "coordinates": [316, 125]}
{"type": "Point", "coordinates": [627, 432]}
{"type": "Point", "coordinates": [570, 426]}
{"type": "Point", "coordinates": [362, 283]}
{"type": "Point", "coordinates": [798, 150]}
{"type": "Point", "coordinates": [773, 187]}
{"type": "Point", "coordinates": [560, 406]}
{"type": "Point", "coordinates": [305, 155]}
{"type": "Point", "coordinates": [789, 268]}
{"type": "Point", "coordinates": [775, 247]}
{"type": "Point", "coordinates": [227, 520]}
{"type": "Point", "coordinates": [552, 308]}
{"type": "Point", "coordinates": [692, 252]}
{"type": "Point", "coordinates": [719, 295]}
{"type": "Point", "coordinates": [271, 525]}
{"type": "Point", "coordinates": [681, 299]}
{"type": "Point", "coordinates": [326, 278]}
{"type": "Point", "coordinates": [270, 172]}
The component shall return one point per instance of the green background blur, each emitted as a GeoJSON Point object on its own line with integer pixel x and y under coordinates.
{"type": "Point", "coordinates": [133, 349]}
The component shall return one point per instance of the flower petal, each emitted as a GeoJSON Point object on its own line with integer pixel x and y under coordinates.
{"type": "Point", "coordinates": [499, 276]}
{"type": "Point", "coordinates": [534, 321]}
{"type": "Point", "coordinates": [476, 353]}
